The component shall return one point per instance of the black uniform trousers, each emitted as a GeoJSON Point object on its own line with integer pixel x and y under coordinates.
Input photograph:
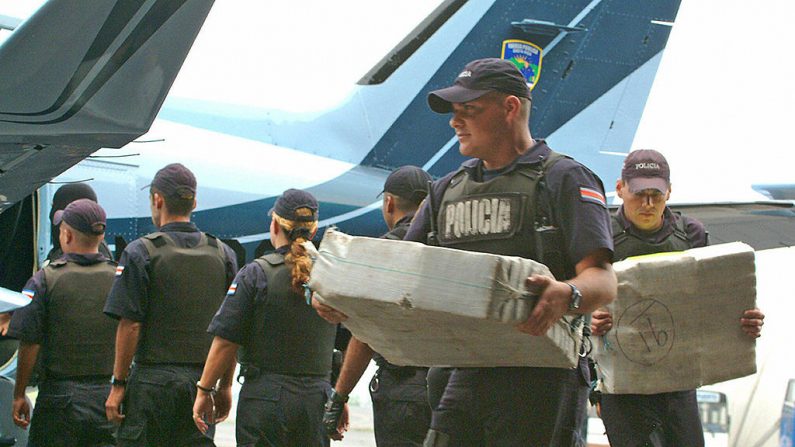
{"type": "Point", "coordinates": [401, 414]}
{"type": "Point", "coordinates": [277, 410]}
{"type": "Point", "coordinates": [71, 412]}
{"type": "Point", "coordinates": [655, 420]}
{"type": "Point", "coordinates": [572, 426]}
{"type": "Point", "coordinates": [502, 406]}
{"type": "Point", "coordinates": [158, 408]}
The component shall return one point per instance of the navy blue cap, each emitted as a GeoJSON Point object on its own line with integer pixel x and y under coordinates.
{"type": "Point", "coordinates": [293, 200]}
{"type": "Point", "coordinates": [646, 169]}
{"type": "Point", "coordinates": [84, 215]}
{"type": "Point", "coordinates": [408, 182]}
{"type": "Point", "coordinates": [479, 77]}
{"type": "Point", "coordinates": [175, 181]}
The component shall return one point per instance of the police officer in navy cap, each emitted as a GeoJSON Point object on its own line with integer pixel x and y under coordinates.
{"type": "Point", "coordinates": [401, 414]}
{"type": "Point", "coordinates": [64, 321]}
{"type": "Point", "coordinates": [643, 225]}
{"type": "Point", "coordinates": [168, 286]}
{"type": "Point", "coordinates": [286, 347]}
{"type": "Point", "coordinates": [558, 216]}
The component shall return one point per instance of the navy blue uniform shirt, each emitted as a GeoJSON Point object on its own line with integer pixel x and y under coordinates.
{"type": "Point", "coordinates": [129, 296]}
{"type": "Point", "coordinates": [583, 221]}
{"type": "Point", "coordinates": [696, 233]}
{"type": "Point", "coordinates": [235, 318]}
{"type": "Point", "coordinates": [28, 323]}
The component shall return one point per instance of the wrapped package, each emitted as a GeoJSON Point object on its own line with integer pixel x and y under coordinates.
{"type": "Point", "coordinates": [676, 321]}
{"type": "Point", "coordinates": [431, 306]}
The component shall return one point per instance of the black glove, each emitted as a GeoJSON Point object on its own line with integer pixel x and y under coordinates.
{"type": "Point", "coordinates": [333, 412]}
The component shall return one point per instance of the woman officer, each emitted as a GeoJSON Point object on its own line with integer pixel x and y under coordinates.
{"type": "Point", "coordinates": [287, 347]}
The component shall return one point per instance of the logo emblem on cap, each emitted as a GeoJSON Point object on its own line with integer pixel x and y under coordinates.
{"type": "Point", "coordinates": [465, 74]}
{"type": "Point", "coordinates": [527, 58]}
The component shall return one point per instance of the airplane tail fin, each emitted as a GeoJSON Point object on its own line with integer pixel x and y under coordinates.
{"type": "Point", "coordinates": [78, 76]}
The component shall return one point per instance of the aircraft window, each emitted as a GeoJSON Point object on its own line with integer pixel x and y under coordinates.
{"type": "Point", "coordinates": [395, 58]}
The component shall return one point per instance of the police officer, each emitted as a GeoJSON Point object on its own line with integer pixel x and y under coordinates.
{"type": "Point", "coordinates": [65, 322]}
{"type": "Point", "coordinates": [642, 225]}
{"type": "Point", "coordinates": [287, 347]}
{"type": "Point", "coordinates": [65, 195]}
{"type": "Point", "coordinates": [168, 286]}
{"type": "Point", "coordinates": [401, 414]}
{"type": "Point", "coordinates": [544, 206]}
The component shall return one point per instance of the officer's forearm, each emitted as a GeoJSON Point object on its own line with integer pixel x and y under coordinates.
{"type": "Point", "coordinates": [357, 357]}
{"type": "Point", "coordinates": [26, 360]}
{"type": "Point", "coordinates": [596, 281]}
{"type": "Point", "coordinates": [220, 363]}
{"type": "Point", "coordinates": [127, 334]}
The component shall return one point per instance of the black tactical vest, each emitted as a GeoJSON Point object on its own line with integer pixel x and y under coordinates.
{"type": "Point", "coordinates": [186, 288]}
{"type": "Point", "coordinates": [626, 244]}
{"type": "Point", "coordinates": [288, 336]}
{"type": "Point", "coordinates": [498, 216]}
{"type": "Point", "coordinates": [80, 338]}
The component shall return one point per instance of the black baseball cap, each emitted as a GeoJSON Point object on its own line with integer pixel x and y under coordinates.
{"type": "Point", "coordinates": [479, 77]}
{"type": "Point", "coordinates": [175, 181]}
{"type": "Point", "coordinates": [408, 182]}
{"type": "Point", "coordinates": [84, 215]}
{"type": "Point", "coordinates": [646, 169]}
{"type": "Point", "coordinates": [291, 201]}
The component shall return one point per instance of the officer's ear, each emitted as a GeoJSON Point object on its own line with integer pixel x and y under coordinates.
{"type": "Point", "coordinates": [513, 106]}
{"type": "Point", "coordinates": [620, 188]}
{"type": "Point", "coordinates": [668, 194]}
{"type": "Point", "coordinates": [389, 204]}
{"type": "Point", "coordinates": [157, 200]}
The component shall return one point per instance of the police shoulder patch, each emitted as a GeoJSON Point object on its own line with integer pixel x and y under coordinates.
{"type": "Point", "coordinates": [119, 270]}
{"type": "Point", "coordinates": [29, 293]}
{"type": "Point", "coordinates": [592, 195]}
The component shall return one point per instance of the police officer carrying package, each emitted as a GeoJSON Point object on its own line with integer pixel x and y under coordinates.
{"type": "Point", "coordinates": [401, 414]}
{"type": "Point", "coordinates": [286, 346]}
{"type": "Point", "coordinates": [552, 210]}
{"type": "Point", "coordinates": [643, 225]}
{"type": "Point", "coordinates": [168, 286]}
{"type": "Point", "coordinates": [65, 322]}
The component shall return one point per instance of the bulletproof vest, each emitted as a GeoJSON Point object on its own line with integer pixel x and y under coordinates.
{"type": "Point", "coordinates": [288, 336]}
{"type": "Point", "coordinates": [626, 244]}
{"type": "Point", "coordinates": [496, 216]}
{"type": "Point", "coordinates": [79, 336]}
{"type": "Point", "coordinates": [186, 288]}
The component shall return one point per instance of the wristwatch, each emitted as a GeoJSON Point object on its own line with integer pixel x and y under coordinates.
{"type": "Point", "coordinates": [114, 381]}
{"type": "Point", "coordinates": [210, 390]}
{"type": "Point", "coordinates": [576, 297]}
{"type": "Point", "coordinates": [337, 397]}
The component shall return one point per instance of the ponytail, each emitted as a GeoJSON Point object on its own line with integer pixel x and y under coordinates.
{"type": "Point", "coordinates": [297, 258]}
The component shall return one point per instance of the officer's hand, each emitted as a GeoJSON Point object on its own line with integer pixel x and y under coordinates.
{"type": "Point", "coordinates": [21, 411]}
{"type": "Point", "coordinates": [113, 404]}
{"type": "Point", "coordinates": [335, 418]}
{"type": "Point", "coordinates": [752, 322]}
{"type": "Point", "coordinates": [553, 303]}
{"type": "Point", "coordinates": [5, 320]}
{"type": "Point", "coordinates": [223, 403]}
{"type": "Point", "coordinates": [601, 322]}
{"type": "Point", "coordinates": [328, 313]}
{"type": "Point", "coordinates": [203, 411]}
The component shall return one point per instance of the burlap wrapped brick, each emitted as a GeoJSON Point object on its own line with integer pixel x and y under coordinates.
{"type": "Point", "coordinates": [432, 306]}
{"type": "Point", "coordinates": [677, 321]}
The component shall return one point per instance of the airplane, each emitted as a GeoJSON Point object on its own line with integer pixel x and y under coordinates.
{"type": "Point", "coordinates": [599, 60]}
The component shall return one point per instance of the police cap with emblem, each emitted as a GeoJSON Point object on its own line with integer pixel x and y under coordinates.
{"type": "Point", "coordinates": [479, 77]}
{"type": "Point", "coordinates": [293, 200]}
{"type": "Point", "coordinates": [84, 215]}
{"type": "Point", "coordinates": [646, 169]}
{"type": "Point", "coordinates": [408, 182]}
{"type": "Point", "coordinates": [175, 181]}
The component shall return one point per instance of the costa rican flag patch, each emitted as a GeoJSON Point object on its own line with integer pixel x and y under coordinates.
{"type": "Point", "coordinates": [592, 195]}
{"type": "Point", "coordinates": [119, 270]}
{"type": "Point", "coordinates": [232, 289]}
{"type": "Point", "coordinates": [29, 293]}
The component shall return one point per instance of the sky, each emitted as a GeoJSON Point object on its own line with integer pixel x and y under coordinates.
{"type": "Point", "coordinates": [720, 108]}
